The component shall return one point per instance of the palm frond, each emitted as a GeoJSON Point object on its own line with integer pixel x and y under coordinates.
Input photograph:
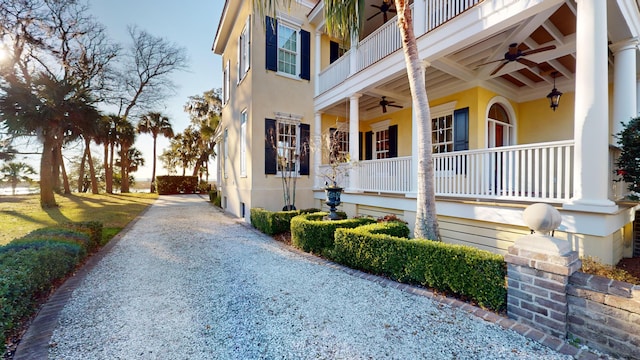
{"type": "Point", "coordinates": [344, 18]}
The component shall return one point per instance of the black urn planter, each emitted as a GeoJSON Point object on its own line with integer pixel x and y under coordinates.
{"type": "Point", "coordinates": [333, 200]}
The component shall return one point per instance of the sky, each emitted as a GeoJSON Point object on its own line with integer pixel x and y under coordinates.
{"type": "Point", "coordinates": [190, 24]}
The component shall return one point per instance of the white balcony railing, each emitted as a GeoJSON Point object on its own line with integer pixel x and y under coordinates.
{"type": "Point", "coordinates": [335, 73]}
{"type": "Point", "coordinates": [385, 175]}
{"type": "Point", "coordinates": [386, 40]}
{"type": "Point", "coordinates": [379, 44]}
{"type": "Point", "coordinates": [534, 172]}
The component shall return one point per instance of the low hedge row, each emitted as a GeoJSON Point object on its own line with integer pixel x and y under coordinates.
{"type": "Point", "coordinates": [30, 266]}
{"type": "Point", "coordinates": [310, 233]}
{"type": "Point", "coordinates": [275, 222]}
{"type": "Point", "coordinates": [168, 185]}
{"type": "Point", "coordinates": [466, 271]}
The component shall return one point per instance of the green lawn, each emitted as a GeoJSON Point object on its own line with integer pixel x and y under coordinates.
{"type": "Point", "coordinates": [22, 214]}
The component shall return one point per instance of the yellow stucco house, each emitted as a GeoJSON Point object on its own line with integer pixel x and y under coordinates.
{"type": "Point", "coordinates": [490, 68]}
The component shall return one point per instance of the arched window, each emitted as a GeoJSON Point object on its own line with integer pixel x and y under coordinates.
{"type": "Point", "coordinates": [500, 128]}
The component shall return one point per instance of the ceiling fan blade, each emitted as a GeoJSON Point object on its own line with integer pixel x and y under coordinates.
{"type": "Point", "coordinates": [489, 62]}
{"type": "Point", "coordinates": [384, 108]}
{"type": "Point", "coordinates": [534, 51]}
{"type": "Point", "coordinates": [377, 7]}
{"type": "Point", "coordinates": [529, 63]}
{"type": "Point", "coordinates": [395, 106]}
{"type": "Point", "coordinates": [499, 68]}
{"type": "Point", "coordinates": [384, 16]}
{"type": "Point", "coordinates": [376, 14]}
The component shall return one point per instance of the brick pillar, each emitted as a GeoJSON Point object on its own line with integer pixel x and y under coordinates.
{"type": "Point", "coordinates": [538, 271]}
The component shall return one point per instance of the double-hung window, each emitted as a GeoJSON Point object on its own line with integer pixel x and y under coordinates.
{"type": "Point", "coordinates": [449, 128]}
{"type": "Point", "coordinates": [244, 48]}
{"type": "Point", "coordinates": [288, 48]}
{"type": "Point", "coordinates": [286, 146]}
{"type": "Point", "coordinates": [243, 143]}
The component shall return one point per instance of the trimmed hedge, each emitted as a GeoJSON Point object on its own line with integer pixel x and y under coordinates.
{"type": "Point", "coordinates": [169, 185]}
{"type": "Point", "coordinates": [469, 272]}
{"type": "Point", "coordinates": [312, 233]}
{"type": "Point", "coordinates": [30, 266]}
{"type": "Point", "coordinates": [275, 222]}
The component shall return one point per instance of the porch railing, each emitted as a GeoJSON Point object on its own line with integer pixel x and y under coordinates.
{"type": "Point", "coordinates": [386, 40]}
{"type": "Point", "coordinates": [335, 73]}
{"type": "Point", "coordinates": [536, 172]}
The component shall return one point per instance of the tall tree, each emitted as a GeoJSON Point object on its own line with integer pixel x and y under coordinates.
{"type": "Point", "coordinates": [205, 112]}
{"type": "Point", "coordinates": [145, 77]}
{"type": "Point", "coordinates": [344, 19]}
{"type": "Point", "coordinates": [155, 124]}
{"type": "Point", "coordinates": [125, 135]}
{"type": "Point", "coordinates": [16, 172]}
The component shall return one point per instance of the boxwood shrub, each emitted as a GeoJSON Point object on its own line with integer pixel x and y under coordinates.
{"type": "Point", "coordinates": [31, 265]}
{"type": "Point", "coordinates": [167, 185]}
{"type": "Point", "coordinates": [474, 274]}
{"type": "Point", "coordinates": [28, 271]}
{"type": "Point", "coordinates": [275, 222]}
{"type": "Point", "coordinates": [311, 233]}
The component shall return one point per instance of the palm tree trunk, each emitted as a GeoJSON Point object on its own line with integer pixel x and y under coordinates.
{"type": "Point", "coordinates": [63, 171]}
{"type": "Point", "coordinates": [109, 171]}
{"type": "Point", "coordinates": [106, 168]}
{"type": "Point", "coordinates": [124, 169]}
{"type": "Point", "coordinates": [426, 216]}
{"type": "Point", "coordinates": [81, 169]}
{"type": "Point", "coordinates": [92, 169]}
{"type": "Point", "coordinates": [153, 168]}
{"type": "Point", "coordinates": [47, 198]}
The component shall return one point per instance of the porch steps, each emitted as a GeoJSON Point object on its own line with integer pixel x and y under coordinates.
{"type": "Point", "coordinates": [636, 235]}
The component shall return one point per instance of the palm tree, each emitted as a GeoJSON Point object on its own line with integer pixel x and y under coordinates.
{"type": "Point", "coordinates": [14, 173]}
{"type": "Point", "coordinates": [125, 136]}
{"type": "Point", "coordinates": [344, 19]}
{"type": "Point", "coordinates": [155, 124]}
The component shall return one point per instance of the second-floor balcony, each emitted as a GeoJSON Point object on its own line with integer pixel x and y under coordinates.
{"type": "Point", "coordinates": [386, 40]}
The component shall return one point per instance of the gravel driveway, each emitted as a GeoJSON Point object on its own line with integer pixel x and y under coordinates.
{"type": "Point", "coordinates": [187, 282]}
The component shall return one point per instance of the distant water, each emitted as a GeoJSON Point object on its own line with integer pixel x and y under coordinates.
{"type": "Point", "coordinates": [20, 190]}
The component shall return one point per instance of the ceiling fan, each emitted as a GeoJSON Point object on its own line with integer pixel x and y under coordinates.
{"type": "Point", "coordinates": [384, 8]}
{"type": "Point", "coordinates": [515, 54]}
{"type": "Point", "coordinates": [384, 103]}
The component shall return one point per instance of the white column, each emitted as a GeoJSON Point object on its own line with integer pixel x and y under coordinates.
{"type": "Point", "coordinates": [317, 150]}
{"type": "Point", "coordinates": [318, 61]}
{"type": "Point", "coordinates": [591, 125]}
{"type": "Point", "coordinates": [354, 128]}
{"type": "Point", "coordinates": [419, 15]}
{"type": "Point", "coordinates": [624, 85]}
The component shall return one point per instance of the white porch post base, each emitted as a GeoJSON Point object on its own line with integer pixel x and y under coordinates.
{"type": "Point", "coordinates": [596, 206]}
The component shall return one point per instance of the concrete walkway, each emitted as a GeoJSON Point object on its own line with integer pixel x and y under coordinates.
{"type": "Point", "coordinates": [186, 281]}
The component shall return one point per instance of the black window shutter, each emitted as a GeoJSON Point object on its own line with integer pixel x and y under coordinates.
{"type": "Point", "coordinates": [305, 52]}
{"type": "Point", "coordinates": [368, 145]}
{"type": "Point", "coordinates": [393, 141]}
{"type": "Point", "coordinates": [305, 138]}
{"type": "Point", "coordinates": [270, 158]}
{"type": "Point", "coordinates": [461, 129]}
{"type": "Point", "coordinates": [334, 51]}
{"type": "Point", "coordinates": [360, 155]}
{"type": "Point", "coordinates": [272, 44]}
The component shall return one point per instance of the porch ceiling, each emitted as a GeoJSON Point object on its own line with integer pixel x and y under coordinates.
{"type": "Point", "coordinates": [480, 63]}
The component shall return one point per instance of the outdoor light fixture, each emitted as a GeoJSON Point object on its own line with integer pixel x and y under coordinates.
{"type": "Point", "coordinates": [554, 95]}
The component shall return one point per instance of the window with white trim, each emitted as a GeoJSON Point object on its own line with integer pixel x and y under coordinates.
{"type": "Point", "coordinates": [287, 49]}
{"type": "Point", "coordinates": [244, 48]}
{"type": "Point", "coordinates": [243, 143]}
{"type": "Point", "coordinates": [226, 85]}
{"type": "Point", "coordinates": [226, 153]}
{"type": "Point", "coordinates": [339, 142]}
{"type": "Point", "coordinates": [381, 139]}
{"type": "Point", "coordinates": [287, 146]}
{"type": "Point", "coordinates": [442, 127]}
